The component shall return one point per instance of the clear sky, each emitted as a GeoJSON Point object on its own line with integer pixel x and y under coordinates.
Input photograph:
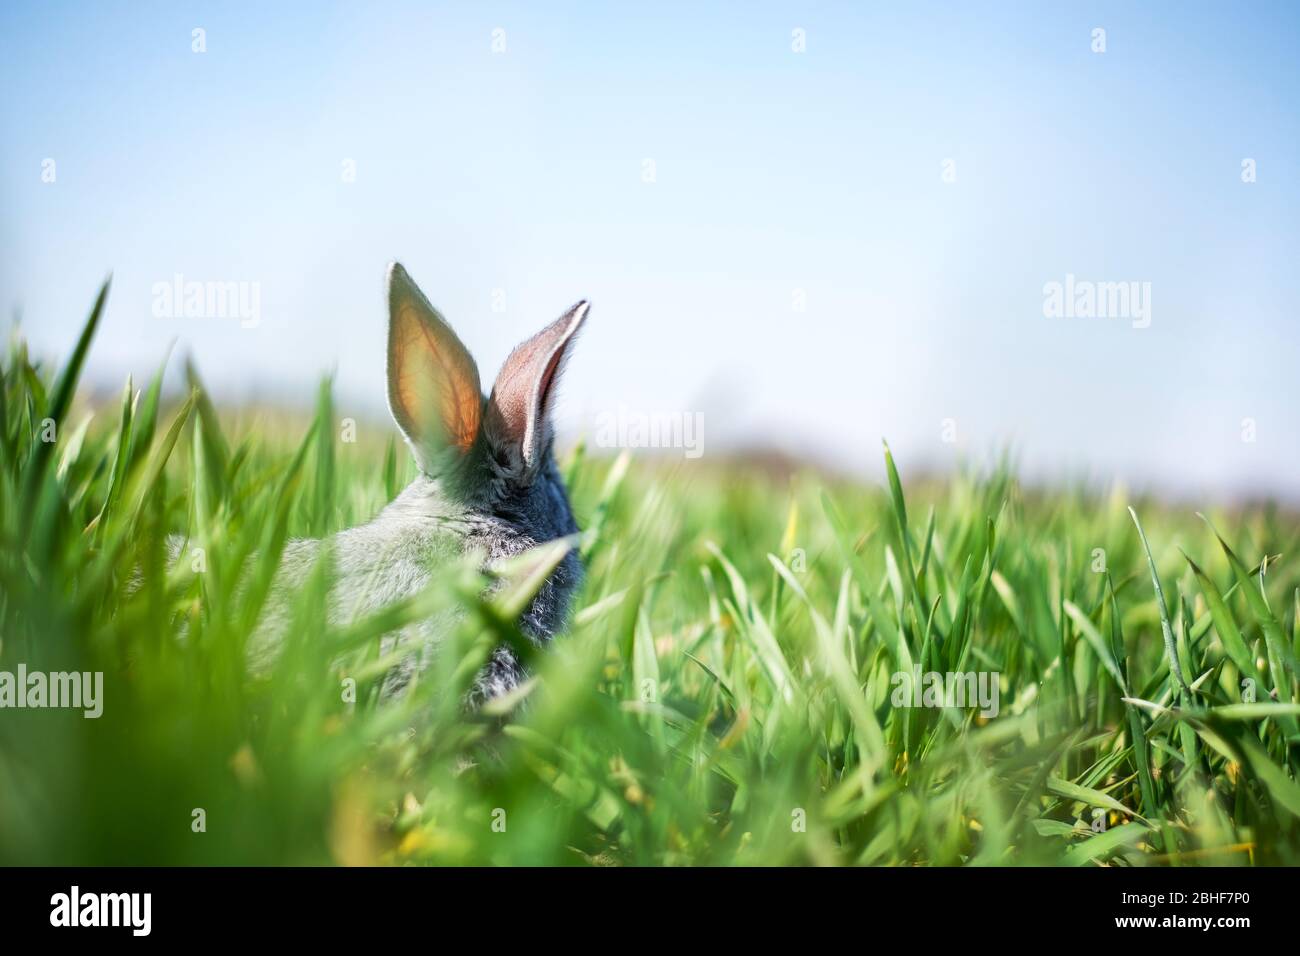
{"type": "Point", "coordinates": [914, 178]}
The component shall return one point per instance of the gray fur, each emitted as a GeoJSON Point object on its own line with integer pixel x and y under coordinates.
{"type": "Point", "coordinates": [395, 555]}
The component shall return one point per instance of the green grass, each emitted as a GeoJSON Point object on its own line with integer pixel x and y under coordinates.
{"type": "Point", "coordinates": [723, 696]}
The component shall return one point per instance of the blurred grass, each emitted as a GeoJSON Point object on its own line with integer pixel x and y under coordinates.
{"type": "Point", "coordinates": [723, 696]}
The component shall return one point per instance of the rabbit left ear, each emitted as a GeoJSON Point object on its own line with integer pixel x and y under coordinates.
{"type": "Point", "coordinates": [517, 423]}
{"type": "Point", "coordinates": [433, 387]}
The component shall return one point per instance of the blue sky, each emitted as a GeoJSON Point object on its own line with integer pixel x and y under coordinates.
{"type": "Point", "coordinates": [778, 175]}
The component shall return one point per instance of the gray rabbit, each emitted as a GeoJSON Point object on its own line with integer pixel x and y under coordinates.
{"type": "Point", "coordinates": [487, 483]}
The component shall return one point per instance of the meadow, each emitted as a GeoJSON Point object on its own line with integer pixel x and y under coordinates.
{"type": "Point", "coordinates": [725, 694]}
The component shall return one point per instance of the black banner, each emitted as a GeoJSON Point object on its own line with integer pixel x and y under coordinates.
{"type": "Point", "coordinates": [218, 905]}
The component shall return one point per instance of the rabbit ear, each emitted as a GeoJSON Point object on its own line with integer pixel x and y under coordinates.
{"type": "Point", "coordinates": [433, 387]}
{"type": "Point", "coordinates": [517, 425]}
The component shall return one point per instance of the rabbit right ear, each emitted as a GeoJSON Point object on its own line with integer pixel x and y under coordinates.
{"type": "Point", "coordinates": [517, 424]}
{"type": "Point", "coordinates": [433, 387]}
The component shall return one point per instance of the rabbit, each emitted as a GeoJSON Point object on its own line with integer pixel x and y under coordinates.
{"type": "Point", "coordinates": [487, 482]}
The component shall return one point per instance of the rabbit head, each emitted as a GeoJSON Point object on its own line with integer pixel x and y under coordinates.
{"type": "Point", "coordinates": [487, 472]}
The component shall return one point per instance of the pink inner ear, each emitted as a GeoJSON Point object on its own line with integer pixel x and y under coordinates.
{"type": "Point", "coordinates": [523, 389]}
{"type": "Point", "coordinates": [548, 376]}
{"type": "Point", "coordinates": [433, 381]}
{"type": "Point", "coordinates": [510, 397]}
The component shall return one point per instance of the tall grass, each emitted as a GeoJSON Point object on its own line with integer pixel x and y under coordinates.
{"type": "Point", "coordinates": [724, 694]}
